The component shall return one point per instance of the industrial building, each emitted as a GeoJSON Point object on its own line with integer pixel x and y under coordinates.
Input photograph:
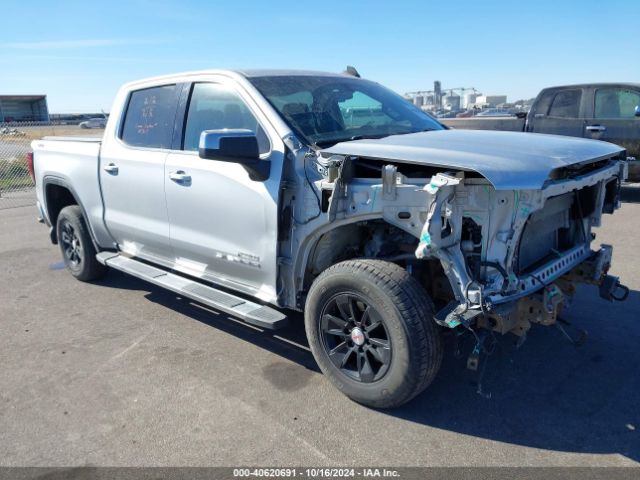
{"type": "Point", "coordinates": [448, 101]}
{"type": "Point", "coordinates": [23, 108]}
{"type": "Point", "coordinates": [492, 100]}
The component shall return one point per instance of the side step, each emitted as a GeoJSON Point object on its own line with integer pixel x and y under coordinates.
{"type": "Point", "coordinates": [253, 313]}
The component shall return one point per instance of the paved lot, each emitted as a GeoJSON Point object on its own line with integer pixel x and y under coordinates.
{"type": "Point", "coordinates": [122, 373]}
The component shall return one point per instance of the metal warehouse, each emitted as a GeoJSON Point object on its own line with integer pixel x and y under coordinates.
{"type": "Point", "coordinates": [23, 108]}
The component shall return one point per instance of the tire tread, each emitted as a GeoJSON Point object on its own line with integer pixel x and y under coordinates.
{"type": "Point", "coordinates": [92, 269]}
{"type": "Point", "coordinates": [416, 309]}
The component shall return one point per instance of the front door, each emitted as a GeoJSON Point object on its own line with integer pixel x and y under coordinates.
{"type": "Point", "coordinates": [223, 225]}
{"type": "Point", "coordinates": [614, 119]}
{"type": "Point", "coordinates": [132, 174]}
{"type": "Point", "coordinates": [562, 117]}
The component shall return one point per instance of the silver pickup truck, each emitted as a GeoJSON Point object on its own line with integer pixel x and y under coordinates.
{"type": "Point", "coordinates": [258, 192]}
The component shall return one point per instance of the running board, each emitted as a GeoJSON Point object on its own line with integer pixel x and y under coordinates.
{"type": "Point", "coordinates": [253, 313]}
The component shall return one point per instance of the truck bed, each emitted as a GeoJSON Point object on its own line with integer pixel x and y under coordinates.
{"type": "Point", "coordinates": [74, 139]}
{"type": "Point", "coordinates": [73, 162]}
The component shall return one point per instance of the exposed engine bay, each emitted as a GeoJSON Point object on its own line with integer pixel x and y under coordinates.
{"type": "Point", "coordinates": [493, 258]}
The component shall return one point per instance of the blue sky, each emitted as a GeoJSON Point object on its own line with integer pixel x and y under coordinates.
{"type": "Point", "coordinates": [79, 52]}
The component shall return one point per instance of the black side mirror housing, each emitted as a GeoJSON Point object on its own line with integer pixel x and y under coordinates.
{"type": "Point", "coordinates": [235, 146]}
{"type": "Point", "coordinates": [637, 111]}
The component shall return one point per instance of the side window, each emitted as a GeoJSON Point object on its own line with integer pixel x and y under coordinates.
{"type": "Point", "coordinates": [566, 104]}
{"type": "Point", "coordinates": [150, 117]}
{"type": "Point", "coordinates": [543, 103]}
{"type": "Point", "coordinates": [616, 103]}
{"type": "Point", "coordinates": [214, 107]}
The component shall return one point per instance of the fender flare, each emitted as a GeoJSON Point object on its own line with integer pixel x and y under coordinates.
{"type": "Point", "coordinates": [61, 182]}
{"type": "Point", "coordinates": [306, 248]}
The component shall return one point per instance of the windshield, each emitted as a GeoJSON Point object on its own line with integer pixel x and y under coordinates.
{"type": "Point", "coordinates": [325, 110]}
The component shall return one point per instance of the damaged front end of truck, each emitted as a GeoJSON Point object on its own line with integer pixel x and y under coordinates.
{"type": "Point", "coordinates": [514, 257]}
{"type": "Point", "coordinates": [512, 243]}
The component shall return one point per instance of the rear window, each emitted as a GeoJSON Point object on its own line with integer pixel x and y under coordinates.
{"type": "Point", "coordinates": [150, 117]}
{"type": "Point", "coordinates": [566, 104]}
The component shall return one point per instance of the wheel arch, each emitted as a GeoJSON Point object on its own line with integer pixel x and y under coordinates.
{"type": "Point", "coordinates": [58, 193]}
{"type": "Point", "coordinates": [313, 241]}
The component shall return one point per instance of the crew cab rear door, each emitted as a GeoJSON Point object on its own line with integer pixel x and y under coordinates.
{"type": "Point", "coordinates": [557, 111]}
{"type": "Point", "coordinates": [223, 225]}
{"type": "Point", "coordinates": [132, 174]}
{"type": "Point", "coordinates": [612, 117]}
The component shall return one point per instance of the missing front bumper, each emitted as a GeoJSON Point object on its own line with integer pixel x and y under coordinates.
{"type": "Point", "coordinates": [540, 296]}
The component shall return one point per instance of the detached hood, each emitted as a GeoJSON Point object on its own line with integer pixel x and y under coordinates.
{"type": "Point", "coordinates": [509, 160]}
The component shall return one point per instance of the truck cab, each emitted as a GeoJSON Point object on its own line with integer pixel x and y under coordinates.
{"type": "Point", "coordinates": [606, 111]}
{"type": "Point", "coordinates": [165, 204]}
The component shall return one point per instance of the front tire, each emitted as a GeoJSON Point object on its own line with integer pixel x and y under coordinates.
{"type": "Point", "coordinates": [371, 330]}
{"type": "Point", "coordinates": [77, 248]}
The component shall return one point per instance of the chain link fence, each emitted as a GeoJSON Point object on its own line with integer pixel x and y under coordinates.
{"type": "Point", "coordinates": [16, 186]}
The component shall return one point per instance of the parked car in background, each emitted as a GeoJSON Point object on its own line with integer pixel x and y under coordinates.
{"type": "Point", "coordinates": [495, 112]}
{"type": "Point", "coordinates": [98, 122]}
{"type": "Point", "coordinates": [465, 114]}
{"type": "Point", "coordinates": [598, 111]}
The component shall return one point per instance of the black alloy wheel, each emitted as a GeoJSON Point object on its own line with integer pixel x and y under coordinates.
{"type": "Point", "coordinates": [355, 337]}
{"type": "Point", "coordinates": [76, 245]}
{"type": "Point", "coordinates": [71, 246]}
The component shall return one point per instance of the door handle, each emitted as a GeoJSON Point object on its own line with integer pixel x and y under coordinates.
{"type": "Point", "coordinates": [595, 128]}
{"type": "Point", "coordinates": [180, 177]}
{"type": "Point", "coordinates": [111, 168]}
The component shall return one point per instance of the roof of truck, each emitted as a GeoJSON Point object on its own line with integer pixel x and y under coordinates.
{"type": "Point", "coordinates": [286, 72]}
{"type": "Point", "coordinates": [597, 85]}
{"type": "Point", "coordinates": [247, 73]}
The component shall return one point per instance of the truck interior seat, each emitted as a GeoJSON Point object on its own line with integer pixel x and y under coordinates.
{"type": "Point", "coordinates": [233, 116]}
{"type": "Point", "coordinates": [610, 107]}
{"type": "Point", "coordinates": [299, 113]}
{"type": "Point", "coordinates": [199, 121]}
{"type": "Point", "coordinates": [327, 123]}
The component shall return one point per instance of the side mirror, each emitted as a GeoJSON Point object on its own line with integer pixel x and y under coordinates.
{"type": "Point", "coordinates": [235, 146]}
{"type": "Point", "coordinates": [521, 114]}
{"type": "Point", "coordinates": [637, 111]}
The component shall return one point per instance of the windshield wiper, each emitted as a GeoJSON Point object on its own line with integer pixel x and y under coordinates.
{"type": "Point", "coordinates": [416, 131]}
{"type": "Point", "coordinates": [332, 141]}
{"type": "Point", "coordinates": [383, 135]}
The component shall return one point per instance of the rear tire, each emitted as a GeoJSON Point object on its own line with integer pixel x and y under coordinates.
{"type": "Point", "coordinates": [370, 327]}
{"type": "Point", "coordinates": [76, 245]}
